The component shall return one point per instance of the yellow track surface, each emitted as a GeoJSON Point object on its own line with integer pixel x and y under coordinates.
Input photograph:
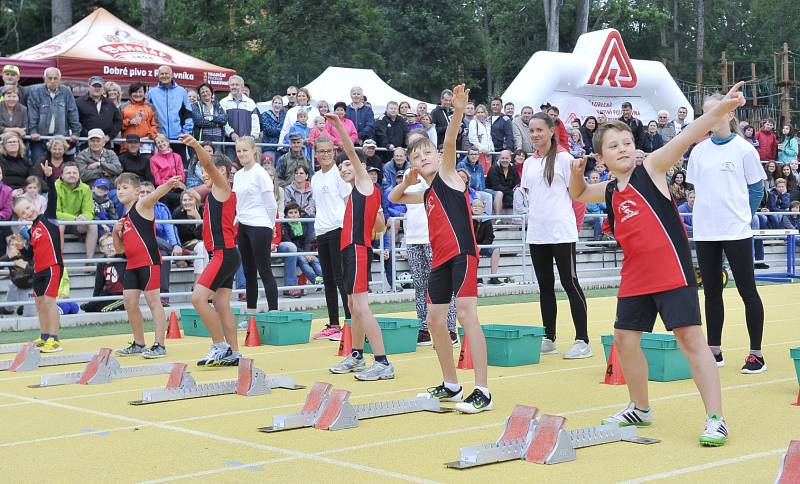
{"type": "Point", "coordinates": [90, 433]}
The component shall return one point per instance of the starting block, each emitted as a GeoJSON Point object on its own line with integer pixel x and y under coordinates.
{"type": "Point", "coordinates": [28, 358]}
{"type": "Point", "coordinates": [103, 368]}
{"type": "Point", "coordinates": [327, 409]}
{"type": "Point", "coordinates": [789, 472]}
{"type": "Point", "coordinates": [181, 385]}
{"type": "Point", "coordinates": [11, 348]}
{"type": "Point", "coordinates": [542, 441]}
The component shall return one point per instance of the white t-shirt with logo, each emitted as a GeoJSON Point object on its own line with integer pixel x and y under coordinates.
{"type": "Point", "coordinates": [416, 224]}
{"type": "Point", "coordinates": [551, 219]}
{"type": "Point", "coordinates": [329, 192]}
{"type": "Point", "coordinates": [255, 197]}
{"type": "Point", "coordinates": [720, 175]}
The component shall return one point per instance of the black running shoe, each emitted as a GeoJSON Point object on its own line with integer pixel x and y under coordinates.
{"type": "Point", "coordinates": [424, 338]}
{"type": "Point", "coordinates": [720, 361]}
{"type": "Point", "coordinates": [444, 395]}
{"type": "Point", "coordinates": [476, 402]}
{"type": "Point", "coordinates": [754, 364]}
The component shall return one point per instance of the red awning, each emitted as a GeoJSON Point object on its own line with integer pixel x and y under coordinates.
{"type": "Point", "coordinates": [29, 68]}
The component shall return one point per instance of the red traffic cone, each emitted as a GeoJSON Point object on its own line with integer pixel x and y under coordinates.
{"type": "Point", "coordinates": [173, 330]}
{"type": "Point", "coordinates": [614, 374]}
{"type": "Point", "coordinates": [797, 403]}
{"type": "Point", "coordinates": [465, 357]}
{"type": "Point", "coordinates": [252, 338]}
{"type": "Point", "coordinates": [346, 344]}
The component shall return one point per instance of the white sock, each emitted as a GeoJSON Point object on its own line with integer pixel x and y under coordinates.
{"type": "Point", "coordinates": [222, 345]}
{"type": "Point", "coordinates": [484, 390]}
{"type": "Point", "coordinates": [453, 387]}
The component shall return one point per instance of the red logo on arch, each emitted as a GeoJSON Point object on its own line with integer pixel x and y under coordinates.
{"type": "Point", "coordinates": [613, 64]}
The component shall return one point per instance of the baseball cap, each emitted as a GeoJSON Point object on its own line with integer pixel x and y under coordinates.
{"type": "Point", "coordinates": [374, 168]}
{"type": "Point", "coordinates": [133, 138]}
{"type": "Point", "coordinates": [96, 80]}
{"type": "Point", "coordinates": [401, 172]}
{"type": "Point", "coordinates": [11, 68]}
{"type": "Point", "coordinates": [294, 136]}
{"type": "Point", "coordinates": [370, 142]}
{"type": "Point", "coordinates": [102, 182]}
{"type": "Point", "coordinates": [96, 133]}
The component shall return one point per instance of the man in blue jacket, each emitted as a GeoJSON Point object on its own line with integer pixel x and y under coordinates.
{"type": "Point", "coordinates": [51, 111]}
{"type": "Point", "coordinates": [173, 111]}
{"type": "Point", "coordinates": [502, 132]}
{"type": "Point", "coordinates": [361, 115]}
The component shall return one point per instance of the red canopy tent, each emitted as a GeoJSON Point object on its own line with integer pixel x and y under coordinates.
{"type": "Point", "coordinates": [102, 44]}
{"type": "Point", "coordinates": [29, 68]}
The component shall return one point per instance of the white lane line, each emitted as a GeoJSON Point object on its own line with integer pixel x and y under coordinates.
{"type": "Point", "coordinates": [222, 438]}
{"type": "Point", "coordinates": [706, 466]}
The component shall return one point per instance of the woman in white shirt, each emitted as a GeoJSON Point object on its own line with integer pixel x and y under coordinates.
{"type": "Point", "coordinates": [256, 210]}
{"type": "Point", "coordinates": [552, 233]}
{"type": "Point", "coordinates": [480, 135]}
{"type": "Point", "coordinates": [729, 185]}
{"type": "Point", "coordinates": [303, 104]}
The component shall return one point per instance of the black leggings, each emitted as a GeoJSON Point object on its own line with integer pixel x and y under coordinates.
{"type": "Point", "coordinates": [330, 258]}
{"type": "Point", "coordinates": [542, 256]}
{"type": "Point", "coordinates": [740, 258]}
{"type": "Point", "coordinates": [255, 247]}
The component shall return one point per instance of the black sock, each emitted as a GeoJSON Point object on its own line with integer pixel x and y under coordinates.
{"type": "Point", "coordinates": [44, 336]}
{"type": "Point", "coordinates": [382, 359]}
{"type": "Point", "coordinates": [357, 354]}
{"type": "Point", "coordinates": [55, 337]}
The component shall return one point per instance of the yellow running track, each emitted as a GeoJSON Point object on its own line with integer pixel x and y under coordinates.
{"type": "Point", "coordinates": [90, 433]}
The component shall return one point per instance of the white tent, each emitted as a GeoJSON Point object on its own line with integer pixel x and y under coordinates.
{"type": "Point", "coordinates": [334, 85]}
{"type": "Point", "coordinates": [597, 77]}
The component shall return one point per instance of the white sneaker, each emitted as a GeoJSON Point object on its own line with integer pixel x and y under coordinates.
{"type": "Point", "coordinates": [548, 347]}
{"type": "Point", "coordinates": [630, 415]}
{"type": "Point", "coordinates": [579, 350]}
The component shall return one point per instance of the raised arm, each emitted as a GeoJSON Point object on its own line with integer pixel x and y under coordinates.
{"type": "Point", "coordinates": [660, 160]}
{"type": "Point", "coordinates": [363, 182]}
{"type": "Point", "coordinates": [52, 196]}
{"type": "Point", "coordinates": [152, 198]}
{"type": "Point", "coordinates": [204, 158]}
{"type": "Point", "coordinates": [398, 193]}
{"type": "Point", "coordinates": [460, 99]}
{"type": "Point", "coordinates": [579, 190]}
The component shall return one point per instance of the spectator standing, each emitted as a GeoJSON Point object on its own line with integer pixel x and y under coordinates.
{"type": "Point", "coordinates": [360, 113]}
{"type": "Point", "coordinates": [480, 136]}
{"type": "Point", "coordinates": [133, 161]}
{"type": "Point", "coordinates": [303, 104]}
{"type": "Point", "coordinates": [208, 116]}
{"type": "Point", "coordinates": [96, 161]}
{"type": "Point", "coordinates": [75, 203]}
{"type": "Point", "coordinates": [680, 120]}
{"type": "Point", "coordinates": [271, 121]}
{"type": "Point", "coordinates": [767, 141]}
{"type": "Point", "coordinates": [11, 77]}
{"type": "Point", "coordinates": [95, 111]}
{"type": "Point", "coordinates": [787, 146]}
{"type": "Point", "coordinates": [636, 126]}
{"type": "Point", "coordinates": [287, 164]}
{"type": "Point", "coordinates": [13, 115]}
{"type": "Point", "coordinates": [113, 93]}
{"type": "Point", "coordinates": [588, 129]}
{"type": "Point", "coordinates": [503, 178]}
{"type": "Point", "coordinates": [749, 134]}
{"type": "Point", "coordinates": [138, 116]}
{"type": "Point", "coordinates": [666, 128]}
{"type": "Point", "coordinates": [688, 207]}
{"type": "Point", "coordinates": [51, 111]}
{"type": "Point", "coordinates": [165, 164]}
{"type": "Point", "coordinates": [502, 134]}
{"type": "Point", "coordinates": [519, 127]}
{"type": "Point", "coordinates": [652, 139]}
{"type": "Point", "coordinates": [340, 109]}
{"type": "Point", "coordinates": [291, 97]}
{"type": "Point", "coordinates": [390, 130]}
{"type": "Point", "coordinates": [173, 110]}
{"type": "Point", "coordinates": [14, 160]}
{"type": "Point", "coordinates": [440, 116]}
{"type": "Point", "coordinates": [597, 209]}
{"type": "Point", "coordinates": [242, 114]}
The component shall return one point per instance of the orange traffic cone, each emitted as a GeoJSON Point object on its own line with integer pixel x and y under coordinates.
{"type": "Point", "coordinates": [614, 374]}
{"type": "Point", "coordinates": [465, 357]}
{"type": "Point", "coordinates": [252, 338]}
{"type": "Point", "coordinates": [173, 330]}
{"type": "Point", "coordinates": [346, 344]}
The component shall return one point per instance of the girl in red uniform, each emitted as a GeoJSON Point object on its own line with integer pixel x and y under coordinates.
{"type": "Point", "coordinates": [135, 235]}
{"type": "Point", "coordinates": [361, 217]}
{"type": "Point", "coordinates": [455, 258]}
{"type": "Point", "coordinates": [219, 237]}
{"type": "Point", "coordinates": [657, 273]}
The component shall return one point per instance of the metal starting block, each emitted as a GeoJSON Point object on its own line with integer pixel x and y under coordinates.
{"type": "Point", "coordinates": [103, 368]}
{"type": "Point", "coordinates": [542, 441]}
{"type": "Point", "coordinates": [28, 358]}
{"type": "Point", "coordinates": [11, 348]}
{"type": "Point", "coordinates": [327, 409]}
{"type": "Point", "coordinates": [181, 385]}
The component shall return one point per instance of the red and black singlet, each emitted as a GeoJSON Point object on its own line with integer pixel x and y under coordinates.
{"type": "Point", "coordinates": [219, 229]}
{"type": "Point", "coordinates": [652, 236]}
{"type": "Point", "coordinates": [45, 238]}
{"type": "Point", "coordinates": [449, 222]}
{"type": "Point", "coordinates": [359, 217]}
{"type": "Point", "coordinates": [139, 240]}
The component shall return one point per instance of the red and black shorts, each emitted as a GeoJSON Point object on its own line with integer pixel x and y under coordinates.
{"type": "Point", "coordinates": [221, 269]}
{"type": "Point", "coordinates": [145, 278]}
{"type": "Point", "coordinates": [678, 308]}
{"type": "Point", "coordinates": [458, 276]}
{"type": "Point", "coordinates": [355, 264]}
{"type": "Point", "coordinates": [46, 282]}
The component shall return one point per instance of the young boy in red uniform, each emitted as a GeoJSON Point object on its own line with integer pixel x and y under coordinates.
{"type": "Point", "coordinates": [361, 216]}
{"type": "Point", "coordinates": [48, 265]}
{"type": "Point", "coordinates": [454, 269]}
{"type": "Point", "coordinates": [219, 237]}
{"type": "Point", "coordinates": [135, 235]}
{"type": "Point", "coordinates": [657, 273]}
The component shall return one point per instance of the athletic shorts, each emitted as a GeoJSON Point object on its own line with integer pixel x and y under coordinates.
{"type": "Point", "coordinates": [145, 278]}
{"type": "Point", "coordinates": [457, 276]}
{"type": "Point", "coordinates": [221, 269]}
{"type": "Point", "coordinates": [46, 282]}
{"type": "Point", "coordinates": [677, 307]}
{"type": "Point", "coordinates": [355, 264]}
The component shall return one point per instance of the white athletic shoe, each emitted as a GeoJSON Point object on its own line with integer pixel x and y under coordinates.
{"type": "Point", "coordinates": [579, 350]}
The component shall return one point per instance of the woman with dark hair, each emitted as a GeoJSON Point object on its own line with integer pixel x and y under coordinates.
{"type": "Point", "coordinates": [208, 116]}
{"type": "Point", "coordinates": [749, 134]}
{"type": "Point", "coordinates": [787, 145]}
{"type": "Point", "coordinates": [303, 104]}
{"type": "Point", "coordinates": [652, 139]}
{"type": "Point", "coordinates": [519, 160]}
{"type": "Point", "coordinates": [791, 182]}
{"type": "Point", "coordinates": [552, 232]}
{"type": "Point", "coordinates": [678, 187]}
{"type": "Point", "coordinates": [138, 116]}
{"type": "Point", "coordinates": [271, 123]}
{"type": "Point", "coordinates": [340, 109]}
{"type": "Point", "coordinates": [771, 169]}
{"type": "Point", "coordinates": [588, 129]}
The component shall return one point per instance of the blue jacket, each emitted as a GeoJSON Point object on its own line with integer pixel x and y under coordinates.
{"type": "Point", "coordinates": [63, 107]}
{"type": "Point", "coordinates": [209, 129]}
{"type": "Point", "coordinates": [168, 232]}
{"type": "Point", "coordinates": [364, 120]}
{"type": "Point", "coordinates": [778, 202]}
{"type": "Point", "coordinates": [791, 221]}
{"type": "Point", "coordinates": [390, 173]}
{"type": "Point", "coordinates": [271, 126]}
{"type": "Point", "coordinates": [477, 180]}
{"type": "Point", "coordinates": [687, 221]}
{"type": "Point", "coordinates": [595, 208]}
{"type": "Point", "coordinates": [392, 209]}
{"type": "Point", "coordinates": [502, 134]}
{"type": "Point", "coordinates": [171, 106]}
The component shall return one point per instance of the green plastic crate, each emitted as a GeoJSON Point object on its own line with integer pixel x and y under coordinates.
{"type": "Point", "coordinates": [399, 335]}
{"type": "Point", "coordinates": [509, 345]}
{"type": "Point", "coordinates": [192, 324]}
{"type": "Point", "coordinates": [665, 360]}
{"type": "Point", "coordinates": [281, 328]}
{"type": "Point", "coordinates": [795, 354]}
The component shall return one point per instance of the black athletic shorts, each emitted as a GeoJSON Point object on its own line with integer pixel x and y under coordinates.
{"type": "Point", "coordinates": [457, 276]}
{"type": "Point", "coordinates": [677, 307]}
{"type": "Point", "coordinates": [145, 278]}
{"type": "Point", "coordinates": [221, 269]}
{"type": "Point", "coordinates": [46, 282]}
{"type": "Point", "coordinates": [355, 267]}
